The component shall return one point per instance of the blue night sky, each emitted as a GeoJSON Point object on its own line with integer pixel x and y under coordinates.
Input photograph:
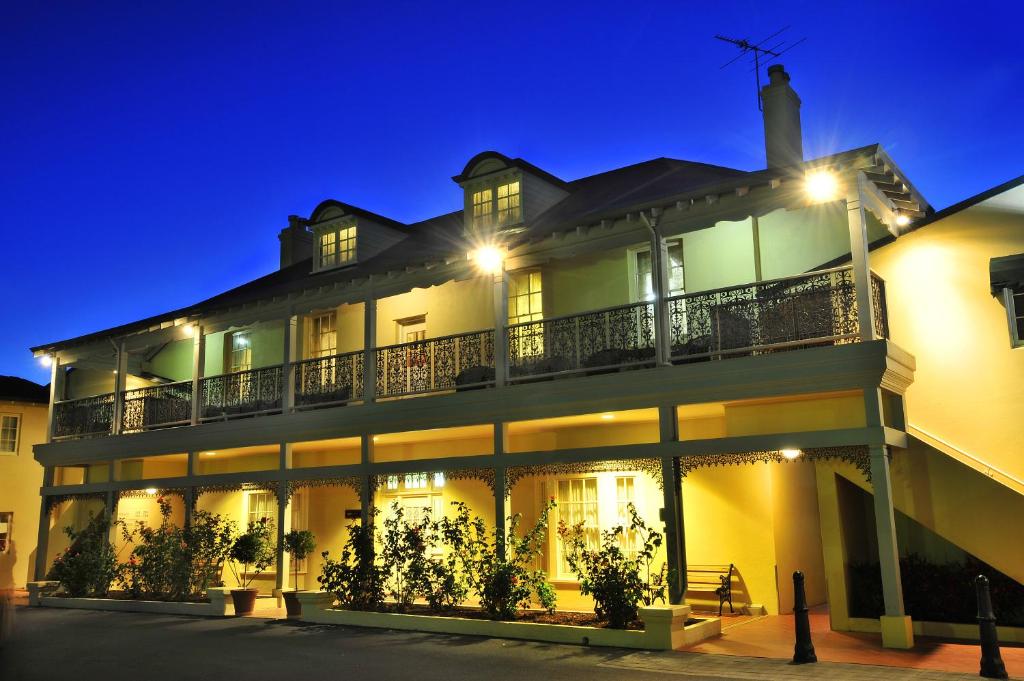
{"type": "Point", "coordinates": [152, 151]}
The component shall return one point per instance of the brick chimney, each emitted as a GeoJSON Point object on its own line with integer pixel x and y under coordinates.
{"type": "Point", "coordinates": [783, 140]}
{"type": "Point", "coordinates": [296, 241]}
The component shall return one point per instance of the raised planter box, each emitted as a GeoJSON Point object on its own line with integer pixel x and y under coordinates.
{"type": "Point", "coordinates": [219, 605]}
{"type": "Point", "coordinates": [666, 627]}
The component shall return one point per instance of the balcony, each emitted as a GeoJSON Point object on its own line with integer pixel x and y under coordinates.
{"type": "Point", "coordinates": [808, 310]}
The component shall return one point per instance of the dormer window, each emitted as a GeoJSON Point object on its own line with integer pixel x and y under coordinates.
{"type": "Point", "coordinates": [499, 205]}
{"type": "Point", "coordinates": [336, 246]}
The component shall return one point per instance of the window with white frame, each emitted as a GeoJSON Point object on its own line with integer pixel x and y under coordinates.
{"type": "Point", "coordinates": [624, 496]}
{"type": "Point", "coordinates": [509, 208]}
{"type": "Point", "coordinates": [323, 341]}
{"type": "Point", "coordinates": [299, 516]}
{"type": "Point", "coordinates": [497, 205]}
{"type": "Point", "coordinates": [240, 353]}
{"type": "Point", "coordinates": [526, 304]}
{"type": "Point", "coordinates": [259, 505]}
{"type": "Point", "coordinates": [483, 208]}
{"type": "Point", "coordinates": [643, 276]}
{"type": "Point", "coordinates": [1015, 312]}
{"type": "Point", "coordinates": [6, 521]}
{"type": "Point", "coordinates": [9, 427]}
{"type": "Point", "coordinates": [336, 245]}
{"type": "Point", "coordinates": [576, 501]}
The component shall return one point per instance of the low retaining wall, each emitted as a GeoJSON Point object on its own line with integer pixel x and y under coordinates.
{"type": "Point", "coordinates": [219, 605]}
{"type": "Point", "coordinates": [665, 627]}
{"type": "Point", "coordinates": [959, 631]}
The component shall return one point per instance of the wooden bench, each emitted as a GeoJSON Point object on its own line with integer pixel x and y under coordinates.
{"type": "Point", "coordinates": [716, 579]}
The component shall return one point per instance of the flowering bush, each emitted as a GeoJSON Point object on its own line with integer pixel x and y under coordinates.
{"type": "Point", "coordinates": [256, 548]}
{"type": "Point", "coordinates": [618, 583]}
{"type": "Point", "coordinates": [498, 569]}
{"type": "Point", "coordinates": [355, 579]}
{"type": "Point", "coordinates": [89, 565]}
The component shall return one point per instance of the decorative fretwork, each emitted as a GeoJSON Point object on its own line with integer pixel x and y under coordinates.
{"type": "Point", "coordinates": [157, 406]}
{"type": "Point", "coordinates": [323, 381]}
{"type": "Point", "coordinates": [651, 467]}
{"type": "Point", "coordinates": [353, 482]}
{"type": "Point", "coordinates": [880, 309]}
{"type": "Point", "coordinates": [811, 309]}
{"type": "Point", "coordinates": [53, 501]}
{"type": "Point", "coordinates": [256, 391]}
{"type": "Point", "coordinates": [593, 342]}
{"type": "Point", "coordinates": [265, 486]}
{"type": "Point", "coordinates": [142, 493]}
{"type": "Point", "coordinates": [858, 455]}
{"type": "Point", "coordinates": [484, 475]}
{"type": "Point", "coordinates": [83, 417]}
{"type": "Point", "coordinates": [455, 362]}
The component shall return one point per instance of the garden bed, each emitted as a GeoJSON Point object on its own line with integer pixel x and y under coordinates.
{"type": "Point", "coordinates": [217, 604]}
{"type": "Point", "coordinates": [664, 628]}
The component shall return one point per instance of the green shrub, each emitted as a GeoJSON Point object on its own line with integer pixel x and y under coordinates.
{"type": "Point", "coordinates": [207, 543]}
{"type": "Point", "coordinates": [403, 555]}
{"type": "Point", "coordinates": [355, 579]}
{"type": "Point", "coordinates": [89, 565]}
{"type": "Point", "coordinates": [255, 548]}
{"type": "Point", "coordinates": [503, 581]}
{"type": "Point", "coordinates": [298, 544]}
{"type": "Point", "coordinates": [618, 583]}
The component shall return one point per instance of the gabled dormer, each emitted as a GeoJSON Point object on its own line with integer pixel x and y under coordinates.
{"type": "Point", "coordinates": [345, 235]}
{"type": "Point", "coordinates": [503, 194]}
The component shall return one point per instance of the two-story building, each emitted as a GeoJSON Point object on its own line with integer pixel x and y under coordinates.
{"type": "Point", "coordinates": [663, 334]}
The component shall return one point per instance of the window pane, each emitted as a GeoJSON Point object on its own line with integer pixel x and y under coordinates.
{"type": "Point", "coordinates": [9, 434]}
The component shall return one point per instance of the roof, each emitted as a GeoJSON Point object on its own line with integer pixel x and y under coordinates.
{"type": "Point", "coordinates": [15, 389]}
{"type": "Point", "coordinates": [589, 200]}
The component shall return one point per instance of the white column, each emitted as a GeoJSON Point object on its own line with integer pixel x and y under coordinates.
{"type": "Point", "coordinates": [56, 395]}
{"type": "Point", "coordinates": [370, 349]}
{"type": "Point", "coordinates": [43, 535]}
{"type": "Point", "coordinates": [198, 368]}
{"type": "Point", "coordinates": [291, 354]}
{"type": "Point", "coordinates": [660, 286]}
{"type": "Point", "coordinates": [120, 381]}
{"type": "Point", "coordinates": [500, 290]}
{"type": "Point", "coordinates": [502, 495]}
{"type": "Point", "coordinates": [857, 221]}
{"type": "Point", "coordinates": [672, 509]}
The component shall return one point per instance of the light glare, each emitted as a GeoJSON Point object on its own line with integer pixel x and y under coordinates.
{"type": "Point", "coordinates": [821, 186]}
{"type": "Point", "coordinates": [791, 454]}
{"type": "Point", "coordinates": [902, 220]}
{"type": "Point", "coordinates": [489, 259]}
{"type": "Point", "coordinates": [46, 360]}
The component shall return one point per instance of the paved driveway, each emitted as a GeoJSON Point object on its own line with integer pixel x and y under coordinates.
{"type": "Point", "coordinates": [84, 645]}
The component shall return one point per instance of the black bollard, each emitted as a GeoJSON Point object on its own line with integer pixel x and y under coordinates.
{"type": "Point", "coordinates": [992, 666]}
{"type": "Point", "coordinates": [803, 652]}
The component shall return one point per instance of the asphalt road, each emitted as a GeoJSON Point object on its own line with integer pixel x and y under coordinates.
{"type": "Point", "coordinates": [52, 645]}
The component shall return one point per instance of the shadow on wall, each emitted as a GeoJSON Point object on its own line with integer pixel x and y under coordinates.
{"type": "Point", "coordinates": [7, 561]}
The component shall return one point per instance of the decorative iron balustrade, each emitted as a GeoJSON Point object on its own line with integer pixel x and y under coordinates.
{"type": "Point", "coordinates": [337, 379]}
{"type": "Point", "coordinates": [157, 406]}
{"type": "Point", "coordinates": [244, 393]}
{"type": "Point", "coordinates": [456, 362]}
{"type": "Point", "coordinates": [592, 342]}
{"type": "Point", "coordinates": [880, 309]}
{"type": "Point", "coordinates": [83, 417]}
{"type": "Point", "coordinates": [819, 308]}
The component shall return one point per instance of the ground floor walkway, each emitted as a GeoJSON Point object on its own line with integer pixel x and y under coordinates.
{"type": "Point", "coordinates": [773, 637]}
{"type": "Point", "coordinates": [55, 644]}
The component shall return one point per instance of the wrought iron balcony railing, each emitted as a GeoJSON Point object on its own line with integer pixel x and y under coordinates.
{"type": "Point", "coordinates": [819, 308]}
{"type": "Point", "coordinates": [881, 310]}
{"type": "Point", "coordinates": [591, 342]}
{"type": "Point", "coordinates": [244, 393]}
{"type": "Point", "coordinates": [458, 362]}
{"type": "Point", "coordinates": [323, 381]}
{"type": "Point", "coordinates": [84, 417]}
{"type": "Point", "coordinates": [158, 406]}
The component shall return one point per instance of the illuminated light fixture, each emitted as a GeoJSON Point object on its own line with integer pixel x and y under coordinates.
{"type": "Point", "coordinates": [46, 360]}
{"type": "Point", "coordinates": [791, 454]}
{"type": "Point", "coordinates": [438, 479]}
{"type": "Point", "coordinates": [189, 331]}
{"type": "Point", "coordinates": [209, 453]}
{"type": "Point", "coordinates": [902, 219]}
{"type": "Point", "coordinates": [151, 491]}
{"type": "Point", "coordinates": [821, 186]}
{"type": "Point", "coordinates": [376, 438]}
{"type": "Point", "coordinates": [607, 417]}
{"type": "Point", "coordinates": [488, 259]}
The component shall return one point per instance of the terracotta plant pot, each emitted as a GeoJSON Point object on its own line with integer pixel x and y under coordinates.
{"type": "Point", "coordinates": [291, 604]}
{"type": "Point", "coordinates": [244, 600]}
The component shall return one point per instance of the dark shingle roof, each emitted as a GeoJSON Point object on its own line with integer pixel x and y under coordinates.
{"type": "Point", "coordinates": [15, 389]}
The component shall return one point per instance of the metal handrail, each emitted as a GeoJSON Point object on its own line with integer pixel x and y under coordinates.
{"type": "Point", "coordinates": [763, 282]}
{"type": "Point", "coordinates": [584, 313]}
{"type": "Point", "coordinates": [432, 339]}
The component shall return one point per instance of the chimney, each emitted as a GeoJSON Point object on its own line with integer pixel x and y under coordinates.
{"type": "Point", "coordinates": [783, 141]}
{"type": "Point", "coordinates": [296, 241]}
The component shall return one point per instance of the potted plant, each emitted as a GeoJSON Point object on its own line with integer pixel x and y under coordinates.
{"type": "Point", "coordinates": [298, 544]}
{"type": "Point", "coordinates": [254, 548]}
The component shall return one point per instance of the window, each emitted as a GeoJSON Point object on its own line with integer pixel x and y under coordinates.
{"type": "Point", "coordinates": [1015, 311]}
{"type": "Point", "coordinates": [324, 335]}
{"type": "Point", "coordinates": [482, 208]}
{"type": "Point", "coordinates": [624, 486]}
{"type": "Point", "coordinates": [336, 246]}
{"type": "Point", "coordinates": [509, 211]}
{"type": "Point", "coordinates": [240, 358]}
{"type": "Point", "coordinates": [260, 505]}
{"type": "Point", "coordinates": [9, 433]}
{"type": "Point", "coordinates": [576, 502]}
{"type": "Point", "coordinates": [6, 520]}
{"type": "Point", "coordinates": [299, 505]}
{"type": "Point", "coordinates": [526, 304]}
{"type": "Point", "coordinates": [643, 282]}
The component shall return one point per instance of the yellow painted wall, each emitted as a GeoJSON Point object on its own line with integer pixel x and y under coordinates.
{"type": "Point", "coordinates": [152, 467]}
{"type": "Point", "coordinates": [173, 361]}
{"type": "Point", "coordinates": [136, 510]}
{"type": "Point", "coordinates": [327, 522]}
{"type": "Point", "coordinates": [74, 513]}
{"type": "Point", "coordinates": [821, 231]}
{"type": "Point", "coordinates": [454, 307]}
{"type": "Point", "coordinates": [590, 282]}
{"type": "Point", "coordinates": [794, 500]}
{"type": "Point", "coordinates": [967, 388]}
{"type": "Point", "coordinates": [231, 505]}
{"type": "Point", "coordinates": [238, 460]}
{"type": "Point", "coordinates": [826, 411]}
{"type": "Point", "coordinates": [20, 479]}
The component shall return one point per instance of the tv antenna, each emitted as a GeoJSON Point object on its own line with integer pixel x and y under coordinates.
{"type": "Point", "coordinates": [762, 56]}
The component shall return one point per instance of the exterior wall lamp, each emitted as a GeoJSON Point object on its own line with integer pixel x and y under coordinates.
{"type": "Point", "coordinates": [821, 186]}
{"type": "Point", "coordinates": [791, 454]}
{"type": "Point", "coordinates": [488, 259]}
